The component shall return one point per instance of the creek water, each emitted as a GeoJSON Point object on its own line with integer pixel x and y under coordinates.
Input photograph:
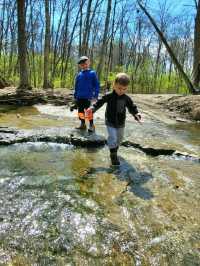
{"type": "Point", "coordinates": [62, 205]}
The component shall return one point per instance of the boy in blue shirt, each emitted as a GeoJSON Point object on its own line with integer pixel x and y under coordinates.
{"type": "Point", "coordinates": [86, 90]}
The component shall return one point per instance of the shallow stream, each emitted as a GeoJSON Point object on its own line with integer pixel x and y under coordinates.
{"type": "Point", "coordinates": [62, 205]}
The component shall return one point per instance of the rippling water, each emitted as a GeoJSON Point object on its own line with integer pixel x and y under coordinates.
{"type": "Point", "coordinates": [66, 206]}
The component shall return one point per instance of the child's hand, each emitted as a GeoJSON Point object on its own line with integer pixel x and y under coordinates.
{"type": "Point", "coordinates": [73, 106]}
{"type": "Point", "coordinates": [93, 101]}
{"type": "Point", "coordinates": [138, 117]}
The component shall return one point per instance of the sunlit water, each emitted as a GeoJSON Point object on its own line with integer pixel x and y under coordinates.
{"type": "Point", "coordinates": [61, 205]}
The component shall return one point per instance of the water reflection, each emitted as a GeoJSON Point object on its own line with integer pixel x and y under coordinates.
{"type": "Point", "coordinates": [126, 172]}
{"type": "Point", "coordinates": [67, 206]}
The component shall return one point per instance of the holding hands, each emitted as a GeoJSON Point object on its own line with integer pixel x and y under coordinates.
{"type": "Point", "coordinates": [89, 113]}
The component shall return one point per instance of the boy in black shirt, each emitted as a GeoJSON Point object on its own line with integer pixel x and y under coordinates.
{"type": "Point", "coordinates": [115, 114]}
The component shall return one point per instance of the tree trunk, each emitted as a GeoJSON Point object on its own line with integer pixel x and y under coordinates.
{"type": "Point", "coordinates": [80, 27]}
{"type": "Point", "coordinates": [46, 83]}
{"type": "Point", "coordinates": [22, 49]}
{"type": "Point", "coordinates": [3, 8]}
{"type": "Point", "coordinates": [70, 43]}
{"type": "Point", "coordinates": [84, 47]}
{"type": "Point", "coordinates": [103, 46]}
{"type": "Point", "coordinates": [64, 43]}
{"type": "Point", "coordinates": [94, 12]}
{"type": "Point", "coordinates": [157, 65]}
{"type": "Point", "coordinates": [170, 51]}
{"type": "Point", "coordinates": [110, 53]}
{"type": "Point", "coordinates": [55, 49]}
{"type": "Point", "coordinates": [196, 63]}
{"type": "Point", "coordinates": [32, 46]}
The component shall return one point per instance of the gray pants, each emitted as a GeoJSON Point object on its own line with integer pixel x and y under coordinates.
{"type": "Point", "coordinates": [115, 136]}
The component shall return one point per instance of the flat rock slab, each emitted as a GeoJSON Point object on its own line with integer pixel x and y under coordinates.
{"type": "Point", "coordinates": [78, 138]}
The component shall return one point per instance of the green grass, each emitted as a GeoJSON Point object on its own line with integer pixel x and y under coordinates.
{"type": "Point", "coordinates": [143, 80]}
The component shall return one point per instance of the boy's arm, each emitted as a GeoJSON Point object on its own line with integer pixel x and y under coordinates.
{"type": "Point", "coordinates": [89, 112]}
{"type": "Point", "coordinates": [75, 87]}
{"type": "Point", "coordinates": [132, 108]}
{"type": "Point", "coordinates": [96, 85]}
{"type": "Point", "coordinates": [99, 103]}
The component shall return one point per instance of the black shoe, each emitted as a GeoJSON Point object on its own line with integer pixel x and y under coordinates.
{"type": "Point", "coordinates": [91, 128]}
{"type": "Point", "coordinates": [82, 127]}
{"type": "Point", "coordinates": [114, 159]}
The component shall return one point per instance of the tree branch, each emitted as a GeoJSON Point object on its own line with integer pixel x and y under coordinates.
{"type": "Point", "coordinates": [170, 51]}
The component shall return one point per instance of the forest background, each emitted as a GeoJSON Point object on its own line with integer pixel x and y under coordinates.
{"type": "Point", "coordinates": [41, 40]}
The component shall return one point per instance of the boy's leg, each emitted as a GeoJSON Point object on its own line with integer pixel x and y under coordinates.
{"type": "Point", "coordinates": [91, 121]}
{"type": "Point", "coordinates": [113, 144]}
{"type": "Point", "coordinates": [81, 114]}
{"type": "Point", "coordinates": [120, 135]}
{"type": "Point", "coordinates": [91, 126]}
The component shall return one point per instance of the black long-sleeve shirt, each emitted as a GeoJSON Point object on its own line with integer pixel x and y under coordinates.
{"type": "Point", "coordinates": [115, 114]}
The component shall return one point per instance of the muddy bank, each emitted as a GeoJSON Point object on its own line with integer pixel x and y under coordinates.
{"type": "Point", "coordinates": [178, 107]}
{"type": "Point", "coordinates": [187, 106]}
{"type": "Point", "coordinates": [10, 96]}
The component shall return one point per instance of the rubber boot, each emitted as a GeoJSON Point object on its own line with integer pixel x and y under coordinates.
{"type": "Point", "coordinates": [82, 125]}
{"type": "Point", "coordinates": [113, 156]}
{"type": "Point", "coordinates": [91, 128]}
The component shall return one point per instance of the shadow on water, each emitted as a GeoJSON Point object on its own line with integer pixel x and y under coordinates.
{"type": "Point", "coordinates": [128, 173]}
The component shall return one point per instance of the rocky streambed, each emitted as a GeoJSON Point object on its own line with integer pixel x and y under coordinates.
{"type": "Point", "coordinates": [63, 204]}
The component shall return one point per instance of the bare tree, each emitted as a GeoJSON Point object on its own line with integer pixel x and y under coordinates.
{"type": "Point", "coordinates": [84, 47]}
{"type": "Point", "coordinates": [103, 46]}
{"type": "Point", "coordinates": [195, 2]}
{"type": "Point", "coordinates": [56, 58]}
{"type": "Point", "coordinates": [112, 35]}
{"type": "Point", "coordinates": [65, 41]}
{"type": "Point", "coordinates": [70, 40]}
{"type": "Point", "coordinates": [170, 51]}
{"type": "Point", "coordinates": [81, 3]}
{"type": "Point", "coordinates": [46, 83]}
{"type": "Point", "coordinates": [2, 19]}
{"type": "Point", "coordinates": [22, 47]}
{"type": "Point", "coordinates": [196, 61]}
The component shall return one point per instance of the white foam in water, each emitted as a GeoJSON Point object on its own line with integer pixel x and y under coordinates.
{"type": "Point", "coordinates": [41, 146]}
{"type": "Point", "coordinates": [2, 180]}
{"type": "Point", "coordinates": [157, 240]}
{"type": "Point", "coordinates": [61, 111]}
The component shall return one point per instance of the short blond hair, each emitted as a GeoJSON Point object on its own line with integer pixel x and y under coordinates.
{"type": "Point", "coordinates": [122, 79]}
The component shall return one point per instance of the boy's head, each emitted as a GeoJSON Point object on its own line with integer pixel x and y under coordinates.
{"type": "Point", "coordinates": [121, 83]}
{"type": "Point", "coordinates": [84, 62]}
